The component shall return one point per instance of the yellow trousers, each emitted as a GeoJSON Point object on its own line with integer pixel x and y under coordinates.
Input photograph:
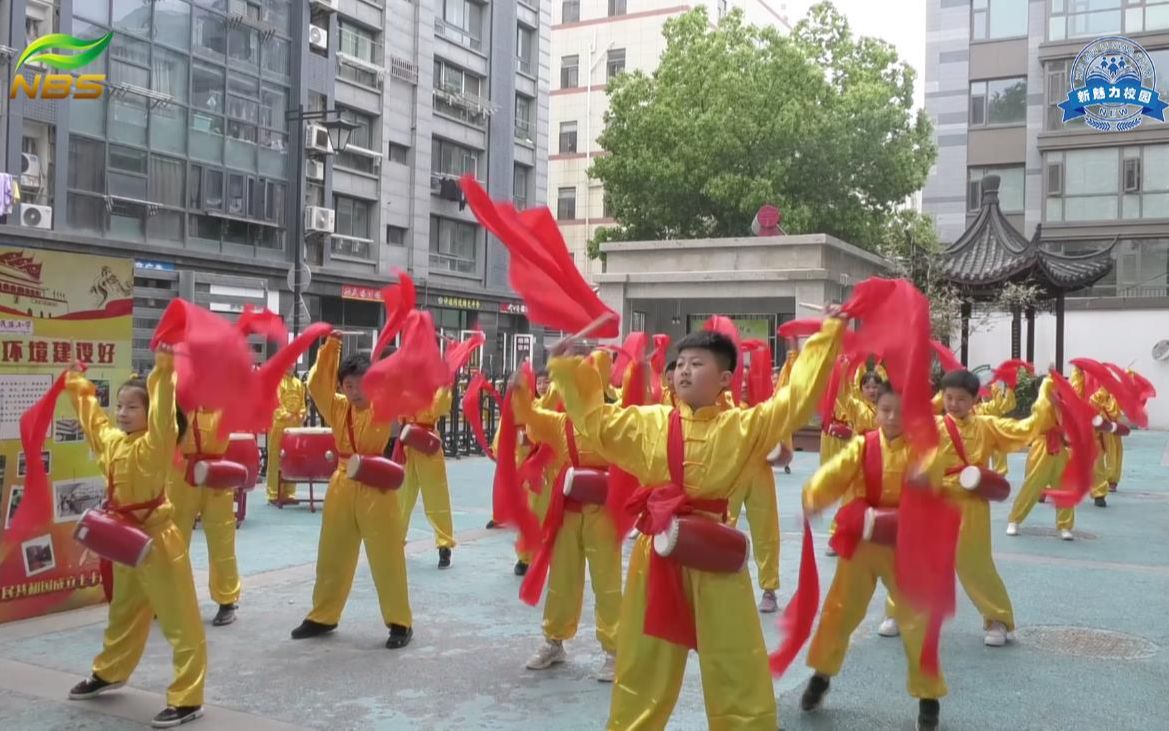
{"type": "Point", "coordinates": [277, 489]}
{"type": "Point", "coordinates": [763, 522]}
{"type": "Point", "coordinates": [998, 462]}
{"type": "Point", "coordinates": [1113, 457]}
{"type": "Point", "coordinates": [427, 473]}
{"type": "Point", "coordinates": [162, 586]}
{"type": "Point", "coordinates": [829, 447]}
{"type": "Point", "coordinates": [1043, 471]}
{"type": "Point", "coordinates": [845, 607]}
{"type": "Point", "coordinates": [1100, 469]}
{"type": "Point", "coordinates": [585, 536]}
{"type": "Point", "coordinates": [539, 503]}
{"type": "Point", "coordinates": [736, 681]}
{"type": "Point", "coordinates": [217, 510]}
{"type": "Point", "coordinates": [356, 514]}
{"type": "Point", "coordinates": [975, 566]}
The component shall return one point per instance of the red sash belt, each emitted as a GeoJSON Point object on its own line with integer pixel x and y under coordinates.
{"type": "Point", "coordinates": [126, 512]}
{"type": "Point", "coordinates": [198, 456]}
{"type": "Point", "coordinates": [850, 519]}
{"type": "Point", "coordinates": [959, 445]}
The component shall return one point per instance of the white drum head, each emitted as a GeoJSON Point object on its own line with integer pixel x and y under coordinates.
{"type": "Point", "coordinates": [970, 477]}
{"type": "Point", "coordinates": [200, 472]}
{"type": "Point", "coordinates": [568, 480]}
{"type": "Point", "coordinates": [666, 541]}
{"type": "Point", "coordinates": [144, 552]}
{"type": "Point", "coordinates": [1097, 421]}
{"type": "Point", "coordinates": [353, 466]}
{"type": "Point", "coordinates": [241, 437]}
{"type": "Point", "coordinates": [870, 521]}
{"type": "Point", "coordinates": [309, 430]}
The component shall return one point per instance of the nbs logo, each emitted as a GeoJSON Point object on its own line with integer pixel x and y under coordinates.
{"type": "Point", "coordinates": [61, 86]}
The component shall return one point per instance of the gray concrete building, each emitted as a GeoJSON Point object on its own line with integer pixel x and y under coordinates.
{"type": "Point", "coordinates": [190, 160]}
{"type": "Point", "coordinates": [995, 71]}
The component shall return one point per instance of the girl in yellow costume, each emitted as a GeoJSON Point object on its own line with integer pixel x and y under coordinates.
{"type": "Point", "coordinates": [427, 472]}
{"type": "Point", "coordinates": [289, 414]}
{"type": "Point", "coordinates": [587, 533]}
{"type": "Point", "coordinates": [847, 478]}
{"type": "Point", "coordinates": [1046, 461]}
{"type": "Point", "coordinates": [720, 446]}
{"type": "Point", "coordinates": [970, 439]}
{"type": "Point", "coordinates": [215, 508]}
{"type": "Point", "coordinates": [136, 455]}
{"type": "Point", "coordinates": [355, 513]}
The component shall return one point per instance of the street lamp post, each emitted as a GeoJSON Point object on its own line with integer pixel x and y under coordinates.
{"type": "Point", "coordinates": [339, 132]}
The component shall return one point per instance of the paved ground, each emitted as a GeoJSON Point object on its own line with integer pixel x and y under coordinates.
{"type": "Point", "coordinates": [1091, 653]}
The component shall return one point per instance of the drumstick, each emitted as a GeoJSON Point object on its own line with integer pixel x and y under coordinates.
{"type": "Point", "coordinates": [817, 308]}
{"type": "Point", "coordinates": [583, 333]}
{"type": "Point", "coordinates": [350, 332]}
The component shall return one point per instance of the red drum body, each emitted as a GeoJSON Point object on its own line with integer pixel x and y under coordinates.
{"type": "Point", "coordinates": [839, 430]}
{"type": "Point", "coordinates": [308, 454]}
{"type": "Point", "coordinates": [243, 449]}
{"type": "Point", "coordinates": [1107, 426]}
{"type": "Point", "coordinates": [421, 439]}
{"type": "Point", "coordinates": [585, 485]}
{"type": "Point", "coordinates": [112, 538]}
{"type": "Point", "coordinates": [985, 483]}
{"type": "Point", "coordinates": [377, 472]}
{"type": "Point", "coordinates": [881, 526]}
{"type": "Point", "coordinates": [1120, 430]}
{"type": "Point", "coordinates": [219, 474]}
{"type": "Point", "coordinates": [703, 544]}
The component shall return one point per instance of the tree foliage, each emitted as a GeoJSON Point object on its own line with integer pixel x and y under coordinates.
{"type": "Point", "coordinates": [819, 123]}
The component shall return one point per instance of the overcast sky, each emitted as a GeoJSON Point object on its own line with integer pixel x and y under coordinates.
{"type": "Point", "coordinates": [904, 27]}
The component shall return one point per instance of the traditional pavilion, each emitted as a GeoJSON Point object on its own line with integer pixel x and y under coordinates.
{"type": "Point", "coordinates": [992, 253]}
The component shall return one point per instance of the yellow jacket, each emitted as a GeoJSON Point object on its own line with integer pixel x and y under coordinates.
{"type": "Point", "coordinates": [843, 478]}
{"type": "Point", "coordinates": [206, 425]}
{"type": "Point", "coordinates": [544, 426]}
{"type": "Point", "coordinates": [371, 436]}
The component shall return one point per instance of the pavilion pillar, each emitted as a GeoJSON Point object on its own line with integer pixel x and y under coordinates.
{"type": "Point", "coordinates": [1059, 331]}
{"type": "Point", "coordinates": [1016, 332]}
{"type": "Point", "coordinates": [965, 354]}
{"type": "Point", "coordinates": [1031, 335]}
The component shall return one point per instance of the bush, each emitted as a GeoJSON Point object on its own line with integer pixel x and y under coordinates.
{"type": "Point", "coordinates": [1026, 393]}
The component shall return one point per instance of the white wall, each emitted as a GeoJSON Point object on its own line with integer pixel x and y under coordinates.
{"type": "Point", "coordinates": [1124, 337]}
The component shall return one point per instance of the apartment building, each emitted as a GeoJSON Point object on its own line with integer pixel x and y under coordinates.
{"type": "Point", "coordinates": [210, 150]}
{"type": "Point", "coordinates": [593, 41]}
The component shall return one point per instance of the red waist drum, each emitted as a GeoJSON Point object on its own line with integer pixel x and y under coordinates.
{"type": "Point", "coordinates": [587, 485]}
{"type": "Point", "coordinates": [880, 526]}
{"type": "Point", "coordinates": [839, 429]}
{"type": "Point", "coordinates": [243, 449]}
{"type": "Point", "coordinates": [985, 483]}
{"type": "Point", "coordinates": [416, 436]}
{"type": "Point", "coordinates": [1108, 426]}
{"type": "Point", "coordinates": [112, 537]}
{"type": "Point", "coordinates": [703, 544]}
{"type": "Point", "coordinates": [308, 454]}
{"type": "Point", "coordinates": [377, 472]}
{"type": "Point", "coordinates": [219, 474]}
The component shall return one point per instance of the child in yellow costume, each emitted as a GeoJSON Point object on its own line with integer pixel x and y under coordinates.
{"type": "Point", "coordinates": [290, 414]}
{"type": "Point", "coordinates": [355, 513]}
{"type": "Point", "coordinates": [876, 479]}
{"type": "Point", "coordinates": [1106, 473]}
{"type": "Point", "coordinates": [587, 534]}
{"type": "Point", "coordinates": [1046, 461]}
{"type": "Point", "coordinates": [539, 495]}
{"type": "Point", "coordinates": [714, 449]}
{"type": "Point", "coordinates": [135, 456]}
{"type": "Point", "coordinates": [860, 406]}
{"type": "Point", "coordinates": [214, 508]}
{"type": "Point", "coordinates": [427, 473]}
{"type": "Point", "coordinates": [970, 439]}
{"type": "Point", "coordinates": [1001, 403]}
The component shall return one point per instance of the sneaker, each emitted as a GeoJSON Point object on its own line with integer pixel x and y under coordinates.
{"type": "Point", "coordinates": [996, 635]}
{"type": "Point", "coordinates": [830, 551]}
{"type": "Point", "coordinates": [444, 558]}
{"type": "Point", "coordinates": [91, 687]}
{"type": "Point", "coordinates": [549, 654]}
{"type": "Point", "coordinates": [1066, 535]}
{"type": "Point", "coordinates": [927, 714]}
{"type": "Point", "coordinates": [521, 568]}
{"type": "Point", "coordinates": [491, 525]}
{"type": "Point", "coordinates": [787, 470]}
{"type": "Point", "coordinates": [1012, 529]}
{"type": "Point", "coordinates": [1101, 502]}
{"type": "Point", "coordinates": [171, 716]}
{"type": "Point", "coordinates": [1112, 487]}
{"type": "Point", "coordinates": [768, 604]}
{"type": "Point", "coordinates": [1042, 498]}
{"type": "Point", "coordinates": [813, 696]}
{"type": "Point", "coordinates": [225, 615]}
{"type": "Point", "coordinates": [309, 628]}
{"type": "Point", "coordinates": [608, 669]}
{"type": "Point", "coordinates": [399, 637]}
{"type": "Point", "coordinates": [889, 628]}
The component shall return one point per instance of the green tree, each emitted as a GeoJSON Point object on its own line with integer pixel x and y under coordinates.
{"type": "Point", "coordinates": [820, 123]}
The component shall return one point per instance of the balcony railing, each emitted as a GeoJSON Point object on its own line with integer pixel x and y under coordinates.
{"type": "Point", "coordinates": [457, 35]}
{"type": "Point", "coordinates": [450, 263]}
{"type": "Point", "coordinates": [351, 246]}
{"type": "Point", "coordinates": [525, 65]}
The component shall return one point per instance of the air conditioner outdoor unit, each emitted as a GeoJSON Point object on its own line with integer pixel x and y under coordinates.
{"type": "Point", "coordinates": [30, 170]}
{"type": "Point", "coordinates": [314, 169]}
{"type": "Point", "coordinates": [34, 216]}
{"type": "Point", "coordinates": [319, 220]}
{"type": "Point", "coordinates": [317, 138]}
{"type": "Point", "coordinates": [318, 37]}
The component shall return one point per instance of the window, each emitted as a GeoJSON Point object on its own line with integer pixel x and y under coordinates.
{"type": "Point", "coordinates": [167, 176]}
{"type": "Point", "coordinates": [395, 235]}
{"type": "Point", "coordinates": [615, 63]}
{"type": "Point", "coordinates": [210, 35]}
{"type": "Point", "coordinates": [450, 159]}
{"type": "Point", "coordinates": [353, 216]}
{"type": "Point", "coordinates": [569, 72]}
{"type": "Point", "coordinates": [399, 153]}
{"type": "Point", "coordinates": [172, 23]}
{"type": "Point", "coordinates": [87, 163]}
{"type": "Point", "coordinates": [998, 101]}
{"type": "Point", "coordinates": [616, 7]}
{"type": "Point", "coordinates": [523, 49]}
{"type": "Point", "coordinates": [567, 138]}
{"type": "Point", "coordinates": [1142, 267]}
{"type": "Point", "coordinates": [566, 204]}
{"type": "Point", "coordinates": [992, 19]}
{"type": "Point", "coordinates": [570, 11]}
{"type": "Point", "coordinates": [461, 22]}
{"type": "Point", "coordinates": [1010, 188]}
{"type": "Point", "coordinates": [459, 94]}
{"type": "Point", "coordinates": [1104, 184]}
{"type": "Point", "coordinates": [454, 245]}
{"type": "Point", "coordinates": [362, 134]}
{"type": "Point", "coordinates": [1083, 18]}
{"type": "Point", "coordinates": [359, 43]}
{"type": "Point", "coordinates": [519, 186]}
{"type": "Point", "coordinates": [523, 118]}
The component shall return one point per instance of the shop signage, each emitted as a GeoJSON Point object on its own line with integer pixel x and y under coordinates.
{"type": "Point", "coordinates": [513, 308]}
{"type": "Point", "coordinates": [358, 292]}
{"type": "Point", "coordinates": [458, 303]}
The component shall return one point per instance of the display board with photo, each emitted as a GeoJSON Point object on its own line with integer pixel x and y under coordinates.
{"type": "Point", "coordinates": [72, 498]}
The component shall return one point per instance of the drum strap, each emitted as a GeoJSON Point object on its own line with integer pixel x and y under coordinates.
{"type": "Point", "coordinates": [850, 518]}
{"type": "Point", "coordinates": [570, 439]}
{"type": "Point", "coordinates": [127, 511]}
{"type": "Point", "coordinates": [959, 445]}
{"type": "Point", "coordinates": [195, 430]}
